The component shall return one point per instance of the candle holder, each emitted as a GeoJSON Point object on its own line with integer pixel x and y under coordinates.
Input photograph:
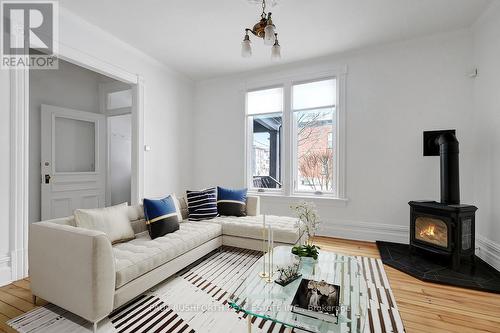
{"type": "Point", "coordinates": [267, 272]}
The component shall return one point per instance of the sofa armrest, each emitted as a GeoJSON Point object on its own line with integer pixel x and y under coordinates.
{"type": "Point", "coordinates": [73, 268]}
{"type": "Point", "coordinates": [253, 205]}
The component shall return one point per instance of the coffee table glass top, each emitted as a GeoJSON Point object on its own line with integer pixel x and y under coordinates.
{"type": "Point", "coordinates": [256, 297]}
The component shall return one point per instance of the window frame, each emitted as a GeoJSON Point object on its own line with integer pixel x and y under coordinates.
{"type": "Point", "coordinates": [288, 158]}
{"type": "Point", "coordinates": [294, 153]}
{"type": "Point", "coordinates": [249, 141]}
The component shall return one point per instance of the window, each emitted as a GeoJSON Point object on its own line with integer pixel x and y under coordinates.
{"type": "Point", "coordinates": [264, 120]}
{"type": "Point", "coordinates": [292, 138]}
{"type": "Point", "coordinates": [119, 99]}
{"type": "Point", "coordinates": [314, 117]}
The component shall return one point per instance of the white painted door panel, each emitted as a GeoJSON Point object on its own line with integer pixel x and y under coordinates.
{"type": "Point", "coordinates": [73, 146]}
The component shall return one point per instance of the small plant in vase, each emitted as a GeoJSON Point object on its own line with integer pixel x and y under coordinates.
{"type": "Point", "coordinates": [308, 222]}
{"type": "Point", "coordinates": [288, 274]}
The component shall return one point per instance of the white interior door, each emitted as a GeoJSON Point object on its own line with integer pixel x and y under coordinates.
{"type": "Point", "coordinates": [73, 147]}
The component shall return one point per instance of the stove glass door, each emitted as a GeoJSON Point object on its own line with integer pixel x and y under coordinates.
{"type": "Point", "coordinates": [431, 230]}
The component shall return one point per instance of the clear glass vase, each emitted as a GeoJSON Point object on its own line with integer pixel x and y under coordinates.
{"type": "Point", "coordinates": [308, 265]}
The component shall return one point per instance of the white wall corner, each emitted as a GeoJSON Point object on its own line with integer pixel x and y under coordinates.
{"type": "Point", "coordinates": [18, 210]}
{"type": "Point", "coordinates": [365, 231]}
{"type": "Point", "coordinates": [488, 250]}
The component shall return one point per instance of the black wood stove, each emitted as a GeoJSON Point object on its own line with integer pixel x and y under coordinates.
{"type": "Point", "coordinates": [444, 228]}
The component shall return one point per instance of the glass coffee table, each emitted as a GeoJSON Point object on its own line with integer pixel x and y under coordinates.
{"type": "Point", "coordinates": [268, 300]}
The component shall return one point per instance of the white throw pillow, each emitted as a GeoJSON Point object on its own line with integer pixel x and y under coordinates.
{"type": "Point", "coordinates": [177, 207]}
{"type": "Point", "coordinates": [183, 207]}
{"type": "Point", "coordinates": [113, 221]}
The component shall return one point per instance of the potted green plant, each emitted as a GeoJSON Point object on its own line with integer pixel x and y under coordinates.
{"type": "Point", "coordinates": [308, 223]}
{"type": "Point", "coordinates": [306, 251]}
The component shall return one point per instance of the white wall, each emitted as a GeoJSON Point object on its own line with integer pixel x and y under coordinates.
{"type": "Point", "coordinates": [394, 93]}
{"type": "Point", "coordinates": [486, 128]}
{"type": "Point", "coordinates": [167, 99]}
{"type": "Point", "coordinates": [70, 86]}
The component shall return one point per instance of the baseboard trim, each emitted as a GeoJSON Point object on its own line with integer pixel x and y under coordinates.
{"type": "Point", "coordinates": [488, 250]}
{"type": "Point", "coordinates": [18, 262]}
{"type": "Point", "coordinates": [365, 231]}
{"type": "Point", "coordinates": [5, 271]}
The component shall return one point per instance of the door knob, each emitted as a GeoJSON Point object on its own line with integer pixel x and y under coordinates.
{"type": "Point", "coordinates": [47, 179]}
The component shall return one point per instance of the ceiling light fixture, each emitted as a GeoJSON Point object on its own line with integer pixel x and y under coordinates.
{"type": "Point", "coordinates": [266, 30]}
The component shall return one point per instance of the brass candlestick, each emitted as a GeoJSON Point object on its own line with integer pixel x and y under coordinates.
{"type": "Point", "coordinates": [267, 270]}
{"type": "Point", "coordinates": [263, 274]}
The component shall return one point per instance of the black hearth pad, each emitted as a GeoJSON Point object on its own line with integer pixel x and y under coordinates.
{"type": "Point", "coordinates": [480, 277]}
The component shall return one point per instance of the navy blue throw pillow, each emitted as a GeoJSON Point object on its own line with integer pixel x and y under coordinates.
{"type": "Point", "coordinates": [232, 202]}
{"type": "Point", "coordinates": [202, 205]}
{"type": "Point", "coordinates": [161, 216]}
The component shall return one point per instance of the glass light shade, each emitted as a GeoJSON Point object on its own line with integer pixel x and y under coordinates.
{"type": "Point", "coordinates": [246, 49]}
{"type": "Point", "coordinates": [276, 52]}
{"type": "Point", "coordinates": [269, 34]}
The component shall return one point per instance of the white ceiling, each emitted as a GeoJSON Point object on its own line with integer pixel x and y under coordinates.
{"type": "Point", "coordinates": [202, 38]}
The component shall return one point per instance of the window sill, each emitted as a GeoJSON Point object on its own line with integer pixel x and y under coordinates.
{"type": "Point", "coordinates": [325, 199]}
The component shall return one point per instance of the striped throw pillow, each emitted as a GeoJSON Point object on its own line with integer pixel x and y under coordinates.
{"type": "Point", "coordinates": [202, 205]}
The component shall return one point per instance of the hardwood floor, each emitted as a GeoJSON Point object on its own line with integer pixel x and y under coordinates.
{"type": "Point", "coordinates": [424, 307]}
{"type": "Point", "coordinates": [15, 299]}
{"type": "Point", "coordinates": [428, 307]}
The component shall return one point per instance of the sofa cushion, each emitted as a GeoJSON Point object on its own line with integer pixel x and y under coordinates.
{"type": "Point", "coordinates": [139, 226]}
{"type": "Point", "coordinates": [143, 254]}
{"type": "Point", "coordinates": [231, 202]}
{"type": "Point", "coordinates": [285, 228]}
{"type": "Point", "coordinates": [162, 216]}
{"type": "Point", "coordinates": [113, 221]}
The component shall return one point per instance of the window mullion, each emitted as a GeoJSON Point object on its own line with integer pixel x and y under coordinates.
{"type": "Point", "coordinates": [315, 108]}
{"type": "Point", "coordinates": [248, 157]}
{"type": "Point", "coordinates": [287, 155]}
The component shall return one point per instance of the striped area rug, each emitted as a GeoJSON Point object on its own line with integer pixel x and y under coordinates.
{"type": "Point", "coordinates": [195, 300]}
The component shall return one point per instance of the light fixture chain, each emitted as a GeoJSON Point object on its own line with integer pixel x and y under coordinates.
{"type": "Point", "coordinates": [263, 7]}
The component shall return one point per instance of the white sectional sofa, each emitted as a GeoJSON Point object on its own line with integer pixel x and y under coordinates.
{"type": "Point", "coordinates": [79, 270]}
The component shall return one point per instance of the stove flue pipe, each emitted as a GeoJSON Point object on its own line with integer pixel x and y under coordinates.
{"type": "Point", "coordinates": [450, 182]}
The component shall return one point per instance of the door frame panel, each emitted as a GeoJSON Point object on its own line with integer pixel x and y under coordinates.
{"type": "Point", "coordinates": [104, 89]}
{"type": "Point", "coordinates": [19, 147]}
